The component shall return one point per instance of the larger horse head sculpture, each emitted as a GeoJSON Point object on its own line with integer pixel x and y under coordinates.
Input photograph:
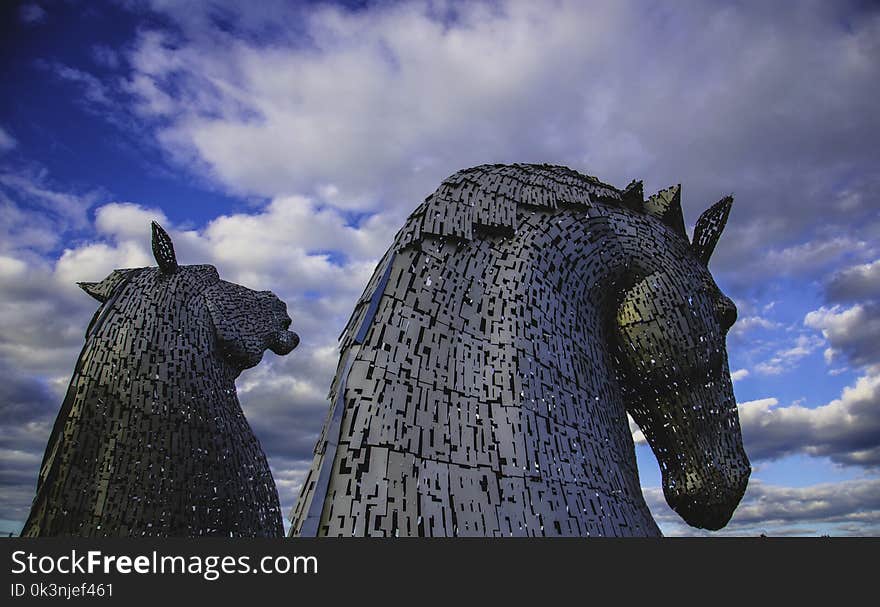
{"type": "Point", "coordinates": [671, 324]}
{"type": "Point", "coordinates": [487, 371]}
{"type": "Point", "coordinates": [151, 439]}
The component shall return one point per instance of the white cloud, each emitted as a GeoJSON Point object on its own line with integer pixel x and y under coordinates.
{"type": "Point", "coordinates": [846, 429]}
{"type": "Point", "coordinates": [384, 103]}
{"type": "Point", "coordinates": [770, 367]}
{"type": "Point", "coordinates": [91, 87]}
{"type": "Point", "coordinates": [787, 358]}
{"type": "Point", "coordinates": [739, 374]}
{"type": "Point", "coordinates": [93, 262]}
{"type": "Point", "coordinates": [842, 508]}
{"type": "Point", "coordinates": [126, 220]}
{"type": "Point", "coordinates": [860, 281]}
{"type": "Point", "coordinates": [31, 13]}
{"type": "Point", "coordinates": [637, 434]}
{"type": "Point", "coordinates": [854, 331]}
{"type": "Point", "coordinates": [63, 209]}
{"type": "Point", "coordinates": [761, 404]}
{"type": "Point", "coordinates": [7, 141]}
{"type": "Point", "coordinates": [748, 323]}
{"type": "Point", "coordinates": [815, 254]}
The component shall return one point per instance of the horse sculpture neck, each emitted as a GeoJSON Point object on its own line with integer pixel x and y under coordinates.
{"type": "Point", "coordinates": [476, 392]}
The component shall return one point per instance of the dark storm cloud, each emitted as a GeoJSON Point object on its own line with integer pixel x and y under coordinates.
{"type": "Point", "coordinates": [23, 398]}
{"type": "Point", "coordinates": [286, 420]}
{"type": "Point", "coordinates": [27, 410]}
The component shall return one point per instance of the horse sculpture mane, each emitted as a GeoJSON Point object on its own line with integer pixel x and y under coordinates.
{"type": "Point", "coordinates": [486, 372]}
{"type": "Point", "coordinates": [151, 439]}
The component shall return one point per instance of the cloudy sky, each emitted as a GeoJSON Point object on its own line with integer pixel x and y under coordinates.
{"type": "Point", "coordinates": [285, 143]}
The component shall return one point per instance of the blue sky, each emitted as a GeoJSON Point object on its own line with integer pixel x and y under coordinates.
{"type": "Point", "coordinates": [285, 143]}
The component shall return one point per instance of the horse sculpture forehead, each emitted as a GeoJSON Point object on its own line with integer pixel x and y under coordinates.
{"type": "Point", "coordinates": [486, 199]}
{"type": "Point", "coordinates": [186, 279]}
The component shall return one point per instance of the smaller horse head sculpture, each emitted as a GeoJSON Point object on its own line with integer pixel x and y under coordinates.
{"type": "Point", "coordinates": [151, 439]}
{"type": "Point", "coordinates": [671, 327]}
{"type": "Point", "coordinates": [246, 323]}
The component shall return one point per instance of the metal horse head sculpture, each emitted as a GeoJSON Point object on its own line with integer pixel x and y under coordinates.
{"type": "Point", "coordinates": [486, 373]}
{"type": "Point", "coordinates": [151, 439]}
{"type": "Point", "coordinates": [671, 327]}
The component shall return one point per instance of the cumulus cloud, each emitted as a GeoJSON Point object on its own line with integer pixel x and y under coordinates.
{"type": "Point", "coordinates": [815, 255]}
{"type": "Point", "coordinates": [744, 325]}
{"type": "Point", "coordinates": [41, 318]}
{"type": "Point", "coordinates": [381, 104]}
{"type": "Point", "coordinates": [126, 219]}
{"type": "Point", "coordinates": [847, 429]}
{"type": "Point", "coordinates": [57, 212]}
{"type": "Point", "coordinates": [7, 141]}
{"type": "Point", "coordinates": [852, 331]}
{"type": "Point", "coordinates": [31, 13]}
{"type": "Point", "coordinates": [739, 374]}
{"type": "Point", "coordinates": [847, 508]}
{"type": "Point", "coordinates": [855, 283]}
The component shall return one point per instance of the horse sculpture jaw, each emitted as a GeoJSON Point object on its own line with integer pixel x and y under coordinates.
{"type": "Point", "coordinates": [706, 479]}
{"type": "Point", "coordinates": [706, 498]}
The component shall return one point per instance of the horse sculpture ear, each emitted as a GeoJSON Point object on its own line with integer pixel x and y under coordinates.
{"type": "Point", "coordinates": [665, 205]}
{"type": "Point", "coordinates": [709, 227]}
{"type": "Point", "coordinates": [104, 289]}
{"type": "Point", "coordinates": [94, 289]}
{"type": "Point", "coordinates": [163, 250]}
{"type": "Point", "coordinates": [633, 195]}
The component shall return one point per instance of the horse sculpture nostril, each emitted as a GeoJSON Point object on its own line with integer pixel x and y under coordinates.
{"type": "Point", "coordinates": [709, 503]}
{"type": "Point", "coordinates": [283, 342]}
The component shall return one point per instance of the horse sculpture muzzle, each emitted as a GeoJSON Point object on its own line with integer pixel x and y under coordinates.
{"type": "Point", "coordinates": [706, 474]}
{"type": "Point", "coordinates": [706, 496]}
{"type": "Point", "coordinates": [283, 342]}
